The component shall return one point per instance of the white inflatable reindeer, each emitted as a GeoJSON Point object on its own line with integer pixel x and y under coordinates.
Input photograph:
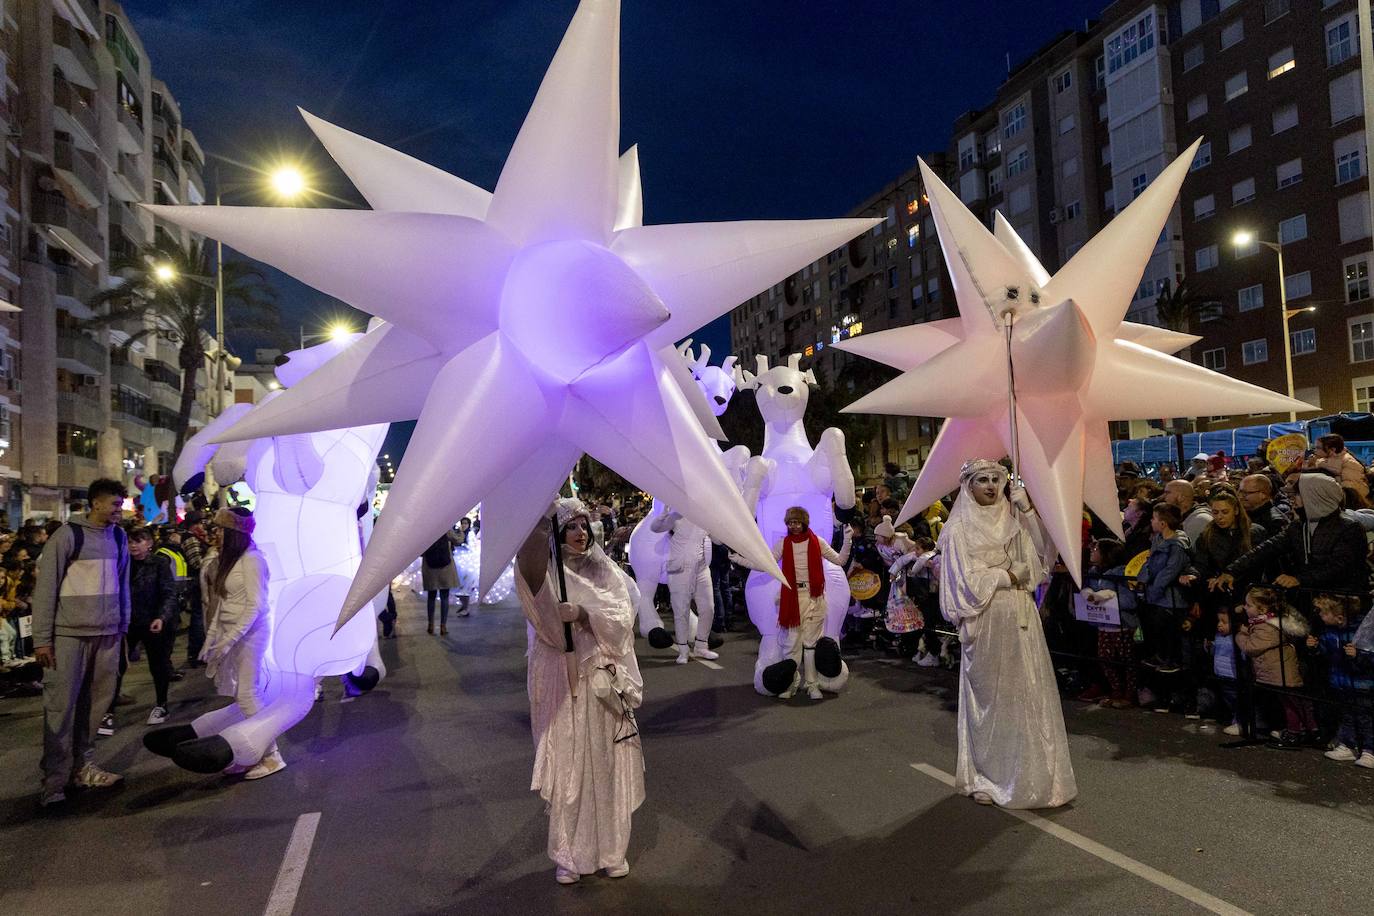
{"type": "Point", "coordinates": [313, 496]}
{"type": "Point", "coordinates": [791, 473]}
{"type": "Point", "coordinates": [648, 549]}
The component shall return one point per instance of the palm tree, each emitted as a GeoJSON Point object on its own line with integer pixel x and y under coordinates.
{"type": "Point", "coordinates": [1179, 307]}
{"type": "Point", "coordinates": [168, 291]}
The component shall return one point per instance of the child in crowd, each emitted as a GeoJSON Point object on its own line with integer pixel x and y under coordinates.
{"type": "Point", "coordinates": [1115, 642]}
{"type": "Point", "coordinates": [1351, 675]}
{"type": "Point", "coordinates": [1224, 658]}
{"type": "Point", "coordinates": [1164, 598]}
{"type": "Point", "coordinates": [920, 568]}
{"type": "Point", "coordinates": [1269, 638]}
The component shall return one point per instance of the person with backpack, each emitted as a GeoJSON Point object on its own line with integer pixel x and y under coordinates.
{"type": "Point", "coordinates": [81, 607]}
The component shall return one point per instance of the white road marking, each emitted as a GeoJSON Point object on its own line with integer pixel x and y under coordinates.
{"type": "Point", "coordinates": [283, 899]}
{"type": "Point", "coordinates": [1106, 854]}
{"type": "Point", "coordinates": [710, 664]}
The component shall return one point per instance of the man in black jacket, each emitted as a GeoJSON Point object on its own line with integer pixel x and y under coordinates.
{"type": "Point", "coordinates": [1257, 496]}
{"type": "Point", "coordinates": [1320, 549]}
{"type": "Point", "coordinates": [154, 608]}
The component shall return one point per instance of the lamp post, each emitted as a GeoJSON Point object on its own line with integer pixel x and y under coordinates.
{"type": "Point", "coordinates": [1244, 238]}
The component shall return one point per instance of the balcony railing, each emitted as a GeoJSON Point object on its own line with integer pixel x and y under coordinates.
{"type": "Point", "coordinates": [130, 377]}
{"type": "Point", "coordinates": [67, 37]}
{"type": "Point", "coordinates": [130, 122]}
{"type": "Point", "coordinates": [80, 164]}
{"type": "Point", "coordinates": [54, 210]}
{"type": "Point", "coordinates": [73, 283]}
{"type": "Point", "coordinates": [75, 471]}
{"type": "Point", "coordinates": [167, 174]}
{"type": "Point", "coordinates": [77, 347]}
{"type": "Point", "coordinates": [79, 409]}
{"type": "Point", "coordinates": [66, 97]}
{"type": "Point", "coordinates": [166, 396]}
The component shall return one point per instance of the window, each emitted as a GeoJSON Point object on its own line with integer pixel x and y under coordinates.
{"type": "Point", "coordinates": [1070, 166]}
{"type": "Point", "coordinates": [1232, 33]}
{"type": "Point", "coordinates": [1073, 210]}
{"type": "Point", "coordinates": [1293, 229]}
{"type": "Point", "coordinates": [992, 143]}
{"type": "Point", "coordinates": [1214, 359]}
{"type": "Point", "coordinates": [1362, 339]}
{"type": "Point", "coordinates": [1353, 212]}
{"type": "Point", "coordinates": [1254, 351]}
{"type": "Point", "coordinates": [1197, 107]}
{"type": "Point", "coordinates": [1364, 391]}
{"type": "Point", "coordinates": [1131, 42]}
{"type": "Point", "coordinates": [1303, 342]}
{"type": "Point", "coordinates": [1192, 57]}
{"type": "Point", "coordinates": [1280, 62]}
{"type": "Point", "coordinates": [1205, 258]}
{"type": "Point", "coordinates": [1285, 117]}
{"type": "Point", "coordinates": [1063, 81]}
{"type": "Point", "coordinates": [968, 151]}
{"type": "Point", "coordinates": [933, 289]}
{"type": "Point", "coordinates": [1205, 207]}
{"type": "Point", "coordinates": [1100, 71]}
{"type": "Point", "coordinates": [1238, 139]}
{"type": "Point", "coordinates": [1357, 278]}
{"type": "Point", "coordinates": [1345, 94]}
{"type": "Point", "coordinates": [1273, 9]}
{"type": "Point", "coordinates": [1250, 298]}
{"type": "Point", "coordinates": [1138, 185]}
{"type": "Point", "coordinates": [1340, 41]}
{"type": "Point", "coordinates": [913, 235]}
{"type": "Point", "coordinates": [892, 276]}
{"type": "Point", "coordinates": [1237, 86]}
{"type": "Point", "coordinates": [1203, 157]}
{"type": "Point", "coordinates": [1298, 286]}
{"type": "Point", "coordinates": [1066, 124]}
{"type": "Point", "coordinates": [1243, 192]}
{"type": "Point", "coordinates": [994, 181]}
{"type": "Point", "coordinates": [1289, 173]}
{"type": "Point", "coordinates": [1349, 158]}
{"type": "Point", "coordinates": [1013, 119]}
{"type": "Point", "coordinates": [1018, 162]}
{"type": "Point", "coordinates": [918, 295]}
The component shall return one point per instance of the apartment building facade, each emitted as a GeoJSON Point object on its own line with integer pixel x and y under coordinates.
{"type": "Point", "coordinates": [94, 134]}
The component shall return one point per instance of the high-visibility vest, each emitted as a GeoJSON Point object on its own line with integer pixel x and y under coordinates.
{"type": "Point", "coordinates": [178, 561]}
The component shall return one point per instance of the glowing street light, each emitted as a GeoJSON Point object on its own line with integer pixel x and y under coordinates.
{"type": "Point", "coordinates": [288, 181]}
{"type": "Point", "coordinates": [339, 331]}
{"type": "Point", "coordinates": [164, 273]}
{"type": "Point", "coordinates": [1244, 238]}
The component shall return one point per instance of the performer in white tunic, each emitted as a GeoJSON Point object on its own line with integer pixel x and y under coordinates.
{"type": "Point", "coordinates": [588, 764]}
{"type": "Point", "coordinates": [1013, 750]}
{"type": "Point", "coordinates": [689, 576]}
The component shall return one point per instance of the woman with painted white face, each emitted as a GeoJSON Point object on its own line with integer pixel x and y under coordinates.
{"type": "Point", "coordinates": [588, 764]}
{"type": "Point", "coordinates": [1013, 750]}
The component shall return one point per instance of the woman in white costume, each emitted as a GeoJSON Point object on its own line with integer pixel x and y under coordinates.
{"type": "Point", "coordinates": [588, 764]}
{"type": "Point", "coordinates": [1013, 750]}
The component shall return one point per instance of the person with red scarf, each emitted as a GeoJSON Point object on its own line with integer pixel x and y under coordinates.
{"type": "Point", "coordinates": [801, 604]}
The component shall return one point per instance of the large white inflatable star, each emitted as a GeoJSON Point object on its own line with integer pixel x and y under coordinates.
{"type": "Point", "coordinates": [522, 327]}
{"type": "Point", "coordinates": [1076, 363]}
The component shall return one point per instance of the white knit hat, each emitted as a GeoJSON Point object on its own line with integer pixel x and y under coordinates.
{"type": "Point", "coordinates": [884, 528]}
{"type": "Point", "coordinates": [569, 508]}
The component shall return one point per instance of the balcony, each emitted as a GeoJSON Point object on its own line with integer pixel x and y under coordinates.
{"type": "Point", "coordinates": [127, 184]}
{"type": "Point", "coordinates": [79, 353]}
{"type": "Point", "coordinates": [80, 171]}
{"type": "Point", "coordinates": [122, 247]}
{"type": "Point", "coordinates": [167, 174]}
{"type": "Point", "coordinates": [130, 133]}
{"type": "Point", "coordinates": [74, 286]}
{"type": "Point", "coordinates": [164, 395]}
{"type": "Point", "coordinates": [72, 228]}
{"type": "Point", "coordinates": [71, 53]}
{"type": "Point", "coordinates": [74, 114]}
{"type": "Point", "coordinates": [75, 471]}
{"type": "Point", "coordinates": [80, 410]}
{"type": "Point", "coordinates": [130, 377]}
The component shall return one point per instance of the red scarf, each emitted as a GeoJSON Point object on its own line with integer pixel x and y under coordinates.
{"type": "Point", "coordinates": [789, 608]}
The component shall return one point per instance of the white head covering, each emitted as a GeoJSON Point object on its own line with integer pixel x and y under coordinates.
{"type": "Point", "coordinates": [985, 526]}
{"type": "Point", "coordinates": [568, 508]}
{"type": "Point", "coordinates": [884, 528]}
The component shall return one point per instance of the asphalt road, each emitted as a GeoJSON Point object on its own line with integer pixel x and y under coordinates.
{"type": "Point", "coordinates": [754, 806]}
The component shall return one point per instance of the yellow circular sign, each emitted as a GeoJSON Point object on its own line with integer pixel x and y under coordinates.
{"type": "Point", "coordinates": [1137, 563]}
{"type": "Point", "coordinates": [864, 584]}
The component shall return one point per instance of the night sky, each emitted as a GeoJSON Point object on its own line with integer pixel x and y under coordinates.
{"type": "Point", "coordinates": [741, 110]}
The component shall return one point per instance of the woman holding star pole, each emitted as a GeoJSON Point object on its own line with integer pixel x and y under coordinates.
{"type": "Point", "coordinates": [1013, 750]}
{"type": "Point", "coordinates": [584, 685]}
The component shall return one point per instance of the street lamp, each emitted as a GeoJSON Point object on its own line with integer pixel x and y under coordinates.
{"type": "Point", "coordinates": [1244, 238]}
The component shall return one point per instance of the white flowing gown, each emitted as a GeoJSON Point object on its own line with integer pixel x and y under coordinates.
{"type": "Point", "coordinates": [1012, 743]}
{"type": "Point", "coordinates": [590, 774]}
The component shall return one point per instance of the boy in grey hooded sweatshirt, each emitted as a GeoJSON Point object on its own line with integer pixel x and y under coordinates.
{"type": "Point", "coordinates": [80, 615]}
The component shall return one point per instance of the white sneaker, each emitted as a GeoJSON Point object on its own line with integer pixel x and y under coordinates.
{"type": "Point", "coordinates": [702, 650]}
{"type": "Point", "coordinates": [1366, 760]}
{"type": "Point", "coordinates": [107, 725]}
{"type": "Point", "coordinates": [563, 876]}
{"type": "Point", "coordinates": [925, 660]}
{"type": "Point", "coordinates": [1340, 752]}
{"type": "Point", "coordinates": [684, 654]}
{"type": "Point", "coordinates": [91, 776]}
{"type": "Point", "coordinates": [269, 764]}
{"type": "Point", "coordinates": [618, 871]}
{"type": "Point", "coordinates": [815, 693]}
{"type": "Point", "coordinates": [158, 715]}
{"type": "Point", "coordinates": [1232, 729]}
